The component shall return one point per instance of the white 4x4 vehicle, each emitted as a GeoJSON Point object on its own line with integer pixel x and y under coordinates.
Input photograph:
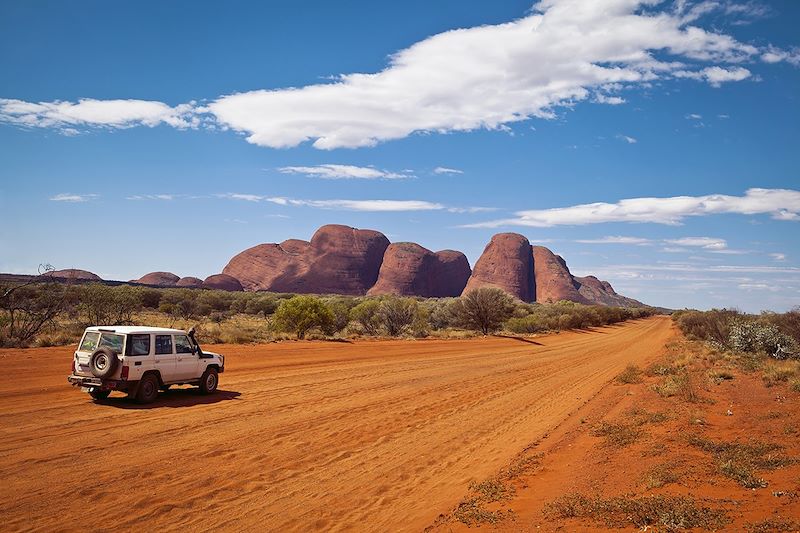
{"type": "Point", "coordinates": [141, 360]}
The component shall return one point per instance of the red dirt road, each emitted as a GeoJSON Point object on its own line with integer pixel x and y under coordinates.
{"type": "Point", "coordinates": [382, 435]}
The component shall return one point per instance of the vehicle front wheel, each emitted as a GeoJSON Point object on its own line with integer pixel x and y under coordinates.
{"type": "Point", "coordinates": [148, 389]}
{"type": "Point", "coordinates": [99, 394]}
{"type": "Point", "coordinates": [209, 381]}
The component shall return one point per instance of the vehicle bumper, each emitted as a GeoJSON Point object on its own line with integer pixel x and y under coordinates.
{"type": "Point", "coordinates": [97, 383]}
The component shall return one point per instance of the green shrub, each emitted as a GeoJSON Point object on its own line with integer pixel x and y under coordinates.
{"type": "Point", "coordinates": [365, 315]}
{"type": "Point", "coordinates": [300, 314]}
{"type": "Point", "coordinates": [397, 314]}
{"type": "Point", "coordinates": [484, 309]}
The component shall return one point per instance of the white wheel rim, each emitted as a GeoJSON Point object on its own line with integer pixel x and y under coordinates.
{"type": "Point", "coordinates": [211, 382]}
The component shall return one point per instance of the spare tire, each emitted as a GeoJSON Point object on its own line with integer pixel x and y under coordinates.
{"type": "Point", "coordinates": [103, 362]}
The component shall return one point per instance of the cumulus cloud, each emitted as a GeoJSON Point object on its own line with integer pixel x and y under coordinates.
{"type": "Point", "coordinates": [336, 172]}
{"type": "Point", "coordinates": [446, 170]}
{"type": "Point", "coordinates": [484, 77]}
{"type": "Point", "coordinates": [715, 75]}
{"type": "Point", "coordinates": [781, 204]}
{"type": "Point", "coordinates": [98, 113]}
{"type": "Point", "coordinates": [73, 198]}
{"type": "Point", "coordinates": [565, 51]}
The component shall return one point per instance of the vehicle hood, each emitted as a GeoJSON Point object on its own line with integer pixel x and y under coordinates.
{"type": "Point", "coordinates": [215, 354]}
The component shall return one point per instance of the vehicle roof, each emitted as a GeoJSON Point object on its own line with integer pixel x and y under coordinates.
{"type": "Point", "coordinates": [126, 330]}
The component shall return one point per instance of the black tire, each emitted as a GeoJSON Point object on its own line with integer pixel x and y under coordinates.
{"type": "Point", "coordinates": [148, 389]}
{"type": "Point", "coordinates": [103, 363]}
{"type": "Point", "coordinates": [209, 381]}
{"type": "Point", "coordinates": [99, 394]}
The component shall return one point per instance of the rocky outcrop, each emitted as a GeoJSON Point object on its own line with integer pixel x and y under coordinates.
{"type": "Point", "coordinates": [338, 260]}
{"type": "Point", "coordinates": [189, 282]}
{"type": "Point", "coordinates": [408, 269]}
{"type": "Point", "coordinates": [222, 282]}
{"type": "Point", "coordinates": [602, 293]}
{"type": "Point", "coordinates": [75, 274]}
{"type": "Point", "coordinates": [451, 274]}
{"type": "Point", "coordinates": [552, 278]}
{"type": "Point", "coordinates": [506, 263]}
{"type": "Point", "coordinates": [162, 279]}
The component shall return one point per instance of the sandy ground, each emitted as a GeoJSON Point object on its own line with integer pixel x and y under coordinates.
{"type": "Point", "coordinates": [375, 436]}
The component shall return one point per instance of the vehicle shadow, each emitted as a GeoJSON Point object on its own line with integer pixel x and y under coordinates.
{"type": "Point", "coordinates": [520, 339]}
{"type": "Point", "coordinates": [172, 398]}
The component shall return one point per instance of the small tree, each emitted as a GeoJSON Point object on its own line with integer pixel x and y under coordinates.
{"type": "Point", "coordinates": [299, 314]}
{"type": "Point", "coordinates": [28, 308]}
{"type": "Point", "coordinates": [365, 315]}
{"type": "Point", "coordinates": [396, 314]}
{"type": "Point", "coordinates": [484, 309]}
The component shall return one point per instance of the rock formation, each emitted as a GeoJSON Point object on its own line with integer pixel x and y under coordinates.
{"type": "Point", "coordinates": [602, 293]}
{"type": "Point", "coordinates": [162, 279]}
{"type": "Point", "coordinates": [553, 279]}
{"type": "Point", "coordinates": [408, 269]}
{"type": "Point", "coordinates": [338, 260]}
{"type": "Point", "coordinates": [222, 282]}
{"type": "Point", "coordinates": [506, 263]}
{"type": "Point", "coordinates": [189, 282]}
{"type": "Point", "coordinates": [75, 274]}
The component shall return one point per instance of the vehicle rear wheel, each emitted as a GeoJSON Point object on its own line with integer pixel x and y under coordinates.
{"type": "Point", "coordinates": [99, 394]}
{"type": "Point", "coordinates": [148, 389]}
{"type": "Point", "coordinates": [103, 362]}
{"type": "Point", "coordinates": [209, 381]}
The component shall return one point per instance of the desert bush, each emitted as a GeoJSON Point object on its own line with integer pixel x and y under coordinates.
{"type": "Point", "coordinates": [527, 324]}
{"type": "Point", "coordinates": [440, 313]}
{"type": "Point", "coordinates": [103, 305]}
{"type": "Point", "coordinates": [340, 307]}
{"type": "Point", "coordinates": [29, 309]}
{"type": "Point", "coordinates": [483, 309]}
{"type": "Point", "coordinates": [711, 325]}
{"type": "Point", "coordinates": [741, 461]}
{"type": "Point", "coordinates": [752, 336]}
{"type": "Point", "coordinates": [300, 314]}
{"type": "Point", "coordinates": [397, 314]}
{"type": "Point", "coordinates": [365, 314]}
{"type": "Point", "coordinates": [259, 305]}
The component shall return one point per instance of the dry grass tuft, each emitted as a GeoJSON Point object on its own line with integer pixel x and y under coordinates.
{"type": "Point", "coordinates": [661, 475]}
{"type": "Point", "coordinates": [680, 385]}
{"type": "Point", "coordinates": [773, 524]}
{"type": "Point", "coordinates": [776, 372]}
{"type": "Point", "coordinates": [631, 374]}
{"type": "Point", "coordinates": [669, 513]}
{"type": "Point", "coordinates": [740, 461]}
{"type": "Point", "coordinates": [618, 435]}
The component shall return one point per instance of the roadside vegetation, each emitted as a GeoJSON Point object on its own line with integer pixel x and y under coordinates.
{"type": "Point", "coordinates": [50, 313]}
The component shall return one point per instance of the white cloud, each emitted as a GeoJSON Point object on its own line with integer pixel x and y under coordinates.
{"type": "Point", "coordinates": [776, 55]}
{"type": "Point", "coordinates": [781, 204]}
{"type": "Point", "coordinates": [617, 239]}
{"type": "Point", "coordinates": [335, 172]}
{"type": "Point", "coordinates": [151, 197]}
{"type": "Point", "coordinates": [347, 205]}
{"type": "Point", "coordinates": [778, 257]}
{"type": "Point", "coordinates": [484, 77]}
{"type": "Point", "coordinates": [67, 116]}
{"type": "Point", "coordinates": [707, 243]}
{"type": "Point", "coordinates": [490, 76]}
{"type": "Point", "coordinates": [715, 76]}
{"type": "Point", "coordinates": [629, 140]}
{"type": "Point", "coordinates": [446, 170]}
{"type": "Point", "coordinates": [694, 116]}
{"type": "Point", "coordinates": [73, 198]}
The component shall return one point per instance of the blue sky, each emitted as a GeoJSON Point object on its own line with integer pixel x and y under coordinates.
{"type": "Point", "coordinates": [140, 136]}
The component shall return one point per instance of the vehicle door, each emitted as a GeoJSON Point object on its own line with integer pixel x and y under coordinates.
{"type": "Point", "coordinates": [138, 355]}
{"type": "Point", "coordinates": [187, 365]}
{"type": "Point", "coordinates": [165, 357]}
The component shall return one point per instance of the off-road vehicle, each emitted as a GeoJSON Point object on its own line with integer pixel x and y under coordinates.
{"type": "Point", "coordinates": [141, 360]}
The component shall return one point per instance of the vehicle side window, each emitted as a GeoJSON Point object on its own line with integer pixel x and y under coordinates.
{"type": "Point", "coordinates": [139, 344]}
{"type": "Point", "coordinates": [110, 340]}
{"type": "Point", "coordinates": [163, 344]}
{"type": "Point", "coordinates": [182, 344]}
{"type": "Point", "coordinates": [89, 343]}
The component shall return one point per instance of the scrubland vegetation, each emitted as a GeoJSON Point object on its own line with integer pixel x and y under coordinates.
{"type": "Point", "coordinates": [51, 313]}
